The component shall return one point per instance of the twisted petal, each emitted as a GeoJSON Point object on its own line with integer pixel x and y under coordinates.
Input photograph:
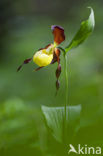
{"type": "Point", "coordinates": [58, 33]}
{"type": "Point", "coordinates": [38, 68]}
{"type": "Point", "coordinates": [25, 62]}
{"type": "Point", "coordinates": [56, 56]}
{"type": "Point", "coordinates": [58, 71]}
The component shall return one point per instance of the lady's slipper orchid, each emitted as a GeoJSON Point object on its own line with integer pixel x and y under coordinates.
{"type": "Point", "coordinates": [50, 54]}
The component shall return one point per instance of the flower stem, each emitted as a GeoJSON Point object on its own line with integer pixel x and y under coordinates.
{"type": "Point", "coordinates": [66, 94]}
{"type": "Point", "coordinates": [66, 81]}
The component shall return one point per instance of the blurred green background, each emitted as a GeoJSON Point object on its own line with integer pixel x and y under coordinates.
{"type": "Point", "coordinates": [25, 27]}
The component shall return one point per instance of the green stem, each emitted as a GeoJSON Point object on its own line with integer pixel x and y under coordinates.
{"type": "Point", "coordinates": [66, 81]}
{"type": "Point", "coordinates": [66, 95]}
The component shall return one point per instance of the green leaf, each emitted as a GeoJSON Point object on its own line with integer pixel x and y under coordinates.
{"type": "Point", "coordinates": [55, 119]}
{"type": "Point", "coordinates": [85, 30]}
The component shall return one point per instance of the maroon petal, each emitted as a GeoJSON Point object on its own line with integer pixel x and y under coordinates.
{"type": "Point", "coordinates": [25, 62]}
{"type": "Point", "coordinates": [56, 56]}
{"type": "Point", "coordinates": [58, 33]}
{"type": "Point", "coordinates": [45, 47]}
{"type": "Point", "coordinates": [19, 68]}
{"type": "Point", "coordinates": [57, 52]}
{"type": "Point", "coordinates": [38, 68]}
{"type": "Point", "coordinates": [58, 71]}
